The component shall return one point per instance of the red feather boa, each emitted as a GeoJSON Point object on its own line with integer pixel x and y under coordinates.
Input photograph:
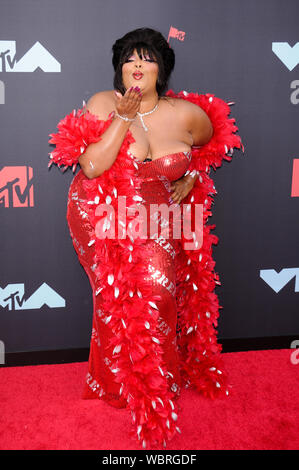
{"type": "Point", "coordinates": [118, 262]}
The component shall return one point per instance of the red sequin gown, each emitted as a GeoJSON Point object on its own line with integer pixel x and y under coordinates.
{"type": "Point", "coordinates": [154, 306]}
{"type": "Point", "coordinates": [160, 254]}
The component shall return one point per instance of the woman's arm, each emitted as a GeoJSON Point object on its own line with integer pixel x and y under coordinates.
{"type": "Point", "coordinates": [198, 124]}
{"type": "Point", "coordinates": [200, 127]}
{"type": "Point", "coordinates": [100, 156]}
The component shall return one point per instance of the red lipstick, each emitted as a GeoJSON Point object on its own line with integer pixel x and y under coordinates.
{"type": "Point", "coordinates": [137, 75]}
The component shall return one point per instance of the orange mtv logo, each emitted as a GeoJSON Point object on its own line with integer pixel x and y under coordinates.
{"type": "Point", "coordinates": [16, 186]}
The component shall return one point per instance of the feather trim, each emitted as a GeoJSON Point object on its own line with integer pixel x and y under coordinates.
{"type": "Point", "coordinates": [133, 314]}
{"type": "Point", "coordinates": [75, 132]}
{"type": "Point", "coordinates": [198, 305]}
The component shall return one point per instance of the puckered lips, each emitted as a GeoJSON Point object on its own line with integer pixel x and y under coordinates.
{"type": "Point", "coordinates": [137, 75]}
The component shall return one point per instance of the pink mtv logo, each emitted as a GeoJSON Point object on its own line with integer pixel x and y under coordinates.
{"type": "Point", "coordinates": [175, 33]}
{"type": "Point", "coordinates": [16, 186]}
{"type": "Point", "coordinates": [295, 178]}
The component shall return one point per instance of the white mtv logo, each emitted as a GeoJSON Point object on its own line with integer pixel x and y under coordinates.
{"type": "Point", "coordinates": [279, 280]}
{"type": "Point", "coordinates": [288, 55]}
{"type": "Point", "coordinates": [37, 56]}
{"type": "Point", "coordinates": [13, 297]}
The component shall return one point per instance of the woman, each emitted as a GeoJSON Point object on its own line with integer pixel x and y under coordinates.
{"type": "Point", "coordinates": [155, 312]}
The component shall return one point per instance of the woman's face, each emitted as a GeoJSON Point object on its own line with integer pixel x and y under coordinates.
{"type": "Point", "coordinates": [146, 66]}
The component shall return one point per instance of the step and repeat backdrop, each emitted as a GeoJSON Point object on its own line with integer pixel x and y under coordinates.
{"type": "Point", "coordinates": [53, 55]}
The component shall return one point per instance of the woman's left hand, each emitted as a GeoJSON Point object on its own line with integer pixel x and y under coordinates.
{"type": "Point", "coordinates": [181, 188]}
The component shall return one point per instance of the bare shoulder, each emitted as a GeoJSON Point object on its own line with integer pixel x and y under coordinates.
{"type": "Point", "coordinates": [188, 109]}
{"type": "Point", "coordinates": [101, 103]}
{"type": "Point", "coordinates": [195, 119]}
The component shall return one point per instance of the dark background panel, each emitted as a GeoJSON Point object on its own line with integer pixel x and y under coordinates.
{"type": "Point", "coordinates": [227, 51]}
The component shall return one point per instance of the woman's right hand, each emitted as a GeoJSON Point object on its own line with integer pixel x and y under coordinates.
{"type": "Point", "coordinates": [129, 103]}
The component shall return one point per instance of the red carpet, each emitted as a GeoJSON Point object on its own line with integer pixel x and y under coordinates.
{"type": "Point", "coordinates": [41, 408]}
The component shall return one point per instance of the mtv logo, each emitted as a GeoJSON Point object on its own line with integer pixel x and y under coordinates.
{"type": "Point", "coordinates": [175, 33]}
{"type": "Point", "coordinates": [2, 352]}
{"type": "Point", "coordinates": [279, 280]}
{"type": "Point", "coordinates": [288, 55]}
{"type": "Point", "coordinates": [36, 56]}
{"type": "Point", "coordinates": [16, 186]}
{"type": "Point", "coordinates": [13, 296]}
{"type": "Point", "coordinates": [295, 178]}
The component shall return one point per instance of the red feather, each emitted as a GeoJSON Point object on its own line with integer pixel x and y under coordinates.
{"type": "Point", "coordinates": [133, 319]}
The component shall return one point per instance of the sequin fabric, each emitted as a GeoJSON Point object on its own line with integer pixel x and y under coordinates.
{"type": "Point", "coordinates": [133, 348]}
{"type": "Point", "coordinates": [152, 180]}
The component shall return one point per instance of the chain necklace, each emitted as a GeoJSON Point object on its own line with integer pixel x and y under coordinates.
{"type": "Point", "coordinates": [145, 114]}
{"type": "Point", "coordinates": [125, 118]}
